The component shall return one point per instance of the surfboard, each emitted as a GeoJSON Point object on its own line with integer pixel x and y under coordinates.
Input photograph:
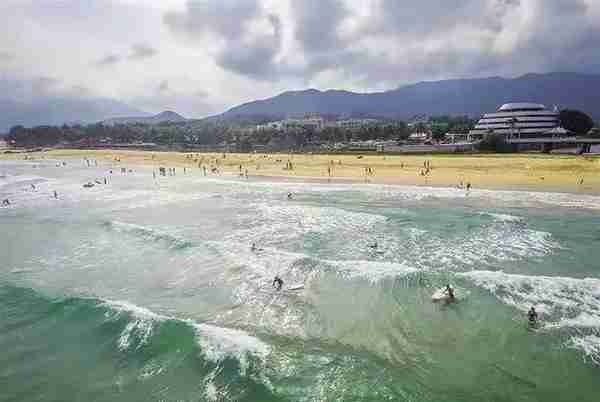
{"type": "Point", "coordinates": [298, 286]}
{"type": "Point", "coordinates": [441, 295]}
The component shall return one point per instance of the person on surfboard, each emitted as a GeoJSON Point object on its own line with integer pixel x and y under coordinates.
{"type": "Point", "coordinates": [450, 292]}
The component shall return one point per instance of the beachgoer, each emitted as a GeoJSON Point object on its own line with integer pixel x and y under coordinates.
{"type": "Point", "coordinates": [450, 292]}
{"type": "Point", "coordinates": [33, 187]}
{"type": "Point", "coordinates": [277, 282]}
{"type": "Point", "coordinates": [246, 173]}
{"type": "Point", "coordinates": [105, 181]}
{"type": "Point", "coordinates": [468, 186]}
{"type": "Point", "coordinates": [253, 247]}
{"type": "Point", "coordinates": [55, 194]}
{"type": "Point", "coordinates": [532, 316]}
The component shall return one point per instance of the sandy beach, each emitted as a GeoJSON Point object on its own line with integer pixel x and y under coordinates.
{"type": "Point", "coordinates": [536, 172]}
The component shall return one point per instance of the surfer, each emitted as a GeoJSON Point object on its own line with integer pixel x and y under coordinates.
{"type": "Point", "coordinates": [55, 194]}
{"type": "Point", "coordinates": [374, 245]}
{"type": "Point", "coordinates": [289, 196]}
{"type": "Point", "coordinates": [532, 316]}
{"type": "Point", "coordinates": [5, 202]}
{"type": "Point", "coordinates": [450, 292]}
{"type": "Point", "coordinates": [277, 282]}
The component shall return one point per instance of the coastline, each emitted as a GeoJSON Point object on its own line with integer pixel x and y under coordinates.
{"type": "Point", "coordinates": [516, 172]}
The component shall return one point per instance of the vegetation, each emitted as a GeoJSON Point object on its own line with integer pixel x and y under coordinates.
{"type": "Point", "coordinates": [576, 121]}
{"type": "Point", "coordinates": [494, 143]}
{"type": "Point", "coordinates": [238, 134]}
{"type": "Point", "coordinates": [449, 124]}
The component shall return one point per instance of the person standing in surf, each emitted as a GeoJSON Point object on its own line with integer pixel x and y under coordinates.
{"type": "Point", "coordinates": [277, 282]}
{"type": "Point", "coordinates": [532, 316]}
{"type": "Point", "coordinates": [450, 292]}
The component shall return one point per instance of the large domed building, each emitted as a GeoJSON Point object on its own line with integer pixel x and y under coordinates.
{"type": "Point", "coordinates": [519, 120]}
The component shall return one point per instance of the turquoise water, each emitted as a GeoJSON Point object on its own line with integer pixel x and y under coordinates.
{"type": "Point", "coordinates": [147, 290]}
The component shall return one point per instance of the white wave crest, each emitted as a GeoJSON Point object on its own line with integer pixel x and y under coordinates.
{"type": "Point", "coordinates": [565, 302]}
{"type": "Point", "coordinates": [589, 345]}
{"type": "Point", "coordinates": [215, 342]}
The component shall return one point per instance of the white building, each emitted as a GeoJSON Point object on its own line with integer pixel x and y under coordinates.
{"type": "Point", "coordinates": [525, 120]}
{"type": "Point", "coordinates": [314, 123]}
{"type": "Point", "coordinates": [355, 124]}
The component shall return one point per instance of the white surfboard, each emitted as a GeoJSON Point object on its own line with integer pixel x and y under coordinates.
{"type": "Point", "coordinates": [298, 286]}
{"type": "Point", "coordinates": [441, 295]}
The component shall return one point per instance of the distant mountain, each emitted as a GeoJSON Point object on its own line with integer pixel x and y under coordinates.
{"type": "Point", "coordinates": [471, 97]}
{"type": "Point", "coordinates": [59, 110]}
{"type": "Point", "coordinates": [166, 116]}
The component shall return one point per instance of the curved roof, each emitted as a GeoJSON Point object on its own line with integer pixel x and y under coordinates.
{"type": "Point", "coordinates": [521, 105]}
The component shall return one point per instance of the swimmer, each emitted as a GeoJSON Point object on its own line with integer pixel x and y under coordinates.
{"type": "Point", "coordinates": [277, 282]}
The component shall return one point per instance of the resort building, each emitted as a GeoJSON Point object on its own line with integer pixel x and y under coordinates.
{"type": "Point", "coordinates": [518, 120]}
{"type": "Point", "coordinates": [355, 124]}
{"type": "Point", "coordinates": [313, 123]}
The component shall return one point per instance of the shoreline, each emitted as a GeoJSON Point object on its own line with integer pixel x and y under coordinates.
{"type": "Point", "coordinates": [509, 172]}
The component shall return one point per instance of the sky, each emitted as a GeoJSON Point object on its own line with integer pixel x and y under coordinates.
{"type": "Point", "coordinates": [201, 57]}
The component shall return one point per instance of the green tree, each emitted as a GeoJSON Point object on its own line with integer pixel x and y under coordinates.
{"type": "Point", "coordinates": [494, 143]}
{"type": "Point", "coordinates": [576, 121]}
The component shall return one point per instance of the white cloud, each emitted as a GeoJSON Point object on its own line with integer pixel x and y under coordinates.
{"type": "Point", "coordinates": [236, 51]}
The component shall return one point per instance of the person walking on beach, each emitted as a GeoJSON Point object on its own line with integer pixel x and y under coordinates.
{"type": "Point", "coordinates": [55, 194]}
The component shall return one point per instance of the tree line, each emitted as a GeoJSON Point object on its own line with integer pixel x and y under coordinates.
{"type": "Point", "coordinates": [211, 133]}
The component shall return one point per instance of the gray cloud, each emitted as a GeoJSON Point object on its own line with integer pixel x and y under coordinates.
{"type": "Point", "coordinates": [163, 86]}
{"type": "Point", "coordinates": [140, 51]}
{"type": "Point", "coordinates": [6, 56]}
{"type": "Point", "coordinates": [108, 60]}
{"type": "Point", "coordinates": [188, 103]}
{"type": "Point", "coordinates": [243, 49]}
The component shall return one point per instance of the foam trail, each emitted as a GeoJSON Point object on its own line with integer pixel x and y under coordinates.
{"type": "Point", "coordinates": [589, 345]}
{"type": "Point", "coordinates": [148, 233]}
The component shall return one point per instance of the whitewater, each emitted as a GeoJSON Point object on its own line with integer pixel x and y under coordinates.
{"type": "Point", "coordinates": [147, 289]}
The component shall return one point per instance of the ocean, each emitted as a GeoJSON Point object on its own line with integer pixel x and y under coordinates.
{"type": "Point", "coordinates": [148, 290]}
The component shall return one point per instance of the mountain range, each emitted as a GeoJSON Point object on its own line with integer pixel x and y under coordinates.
{"type": "Point", "coordinates": [471, 97]}
{"type": "Point", "coordinates": [59, 110]}
{"type": "Point", "coordinates": [166, 116]}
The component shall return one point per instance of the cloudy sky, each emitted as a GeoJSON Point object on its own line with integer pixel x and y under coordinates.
{"type": "Point", "coordinates": [200, 57]}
